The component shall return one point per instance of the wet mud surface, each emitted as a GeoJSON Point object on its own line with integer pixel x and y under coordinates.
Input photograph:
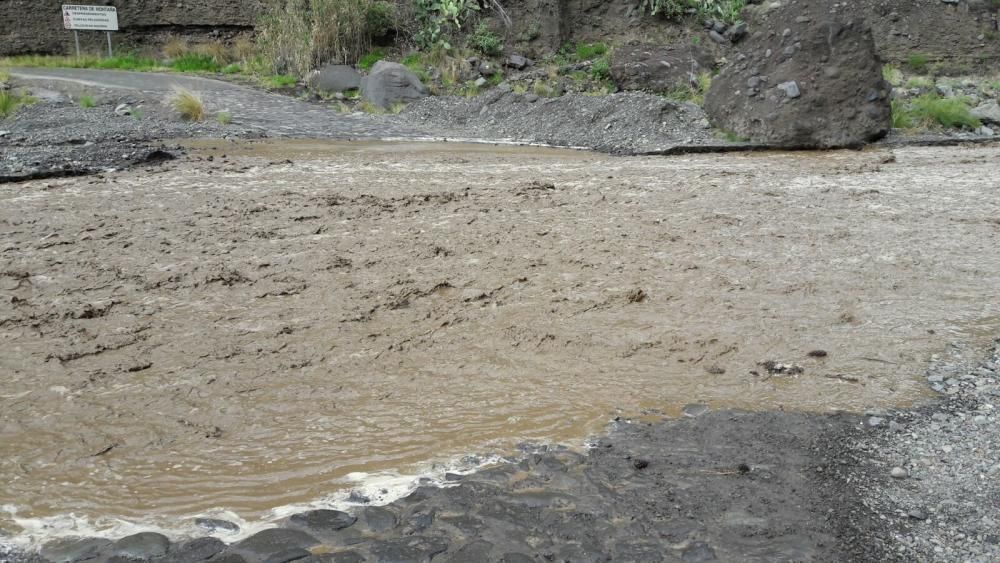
{"type": "Point", "coordinates": [247, 326]}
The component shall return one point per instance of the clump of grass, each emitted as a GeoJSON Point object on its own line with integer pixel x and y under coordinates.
{"type": "Point", "coordinates": [892, 75]}
{"type": "Point", "coordinates": [367, 61]}
{"type": "Point", "coordinates": [931, 110]}
{"type": "Point", "coordinates": [4, 75]}
{"type": "Point", "coordinates": [917, 62]}
{"type": "Point", "coordinates": [11, 100]}
{"type": "Point", "coordinates": [732, 137]}
{"type": "Point", "coordinates": [543, 89]}
{"type": "Point", "coordinates": [233, 68]}
{"type": "Point", "coordinates": [694, 92]}
{"type": "Point", "coordinates": [485, 41]}
{"type": "Point", "coordinates": [87, 101]}
{"type": "Point", "coordinates": [196, 62]}
{"type": "Point", "coordinates": [520, 89]}
{"type": "Point", "coordinates": [901, 118]}
{"type": "Point", "coordinates": [244, 50]}
{"type": "Point", "coordinates": [175, 48]}
{"type": "Point", "coordinates": [947, 112]}
{"type": "Point", "coordinates": [589, 51]}
{"type": "Point", "coordinates": [919, 82]}
{"type": "Point", "coordinates": [188, 104]}
{"type": "Point", "coordinates": [224, 117]}
{"type": "Point", "coordinates": [215, 50]}
{"type": "Point", "coordinates": [280, 81]}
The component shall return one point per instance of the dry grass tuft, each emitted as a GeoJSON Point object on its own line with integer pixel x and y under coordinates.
{"type": "Point", "coordinates": [175, 48]}
{"type": "Point", "coordinates": [216, 50]}
{"type": "Point", "coordinates": [188, 104]}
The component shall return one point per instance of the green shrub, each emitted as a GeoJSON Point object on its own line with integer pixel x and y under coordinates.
{"type": "Point", "coordinates": [589, 51]}
{"type": "Point", "coordinates": [485, 41]}
{"type": "Point", "coordinates": [694, 93]}
{"type": "Point", "coordinates": [196, 62]}
{"type": "Point", "coordinates": [601, 69]}
{"type": "Point", "coordinates": [917, 62]}
{"type": "Point", "coordinates": [234, 68]}
{"type": "Point", "coordinates": [87, 101]}
{"type": "Point", "coordinates": [368, 61]}
{"type": "Point", "coordinates": [224, 117]}
{"type": "Point", "coordinates": [437, 20]}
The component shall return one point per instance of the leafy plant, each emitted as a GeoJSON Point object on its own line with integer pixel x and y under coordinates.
{"type": "Point", "coordinates": [437, 20]}
{"type": "Point", "coordinates": [87, 101]}
{"type": "Point", "coordinates": [601, 69]}
{"type": "Point", "coordinates": [485, 41]}
{"type": "Point", "coordinates": [368, 61]}
{"type": "Point", "coordinates": [224, 117]}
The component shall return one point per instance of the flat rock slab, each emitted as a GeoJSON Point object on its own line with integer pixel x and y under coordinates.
{"type": "Point", "coordinates": [273, 542]}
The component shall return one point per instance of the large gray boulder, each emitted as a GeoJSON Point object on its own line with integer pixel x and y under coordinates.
{"type": "Point", "coordinates": [987, 112]}
{"type": "Point", "coordinates": [333, 79]}
{"type": "Point", "coordinates": [392, 83]}
{"type": "Point", "coordinates": [659, 68]}
{"type": "Point", "coordinates": [806, 78]}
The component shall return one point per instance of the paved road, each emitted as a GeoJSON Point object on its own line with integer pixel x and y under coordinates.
{"type": "Point", "coordinates": [277, 115]}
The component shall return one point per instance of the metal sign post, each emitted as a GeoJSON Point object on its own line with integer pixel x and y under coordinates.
{"type": "Point", "coordinates": [90, 18]}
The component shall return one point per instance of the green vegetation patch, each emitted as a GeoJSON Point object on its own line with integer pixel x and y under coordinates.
{"type": "Point", "coordinates": [485, 41]}
{"type": "Point", "coordinates": [367, 61]}
{"type": "Point", "coordinates": [931, 110]}
{"type": "Point", "coordinates": [11, 100]}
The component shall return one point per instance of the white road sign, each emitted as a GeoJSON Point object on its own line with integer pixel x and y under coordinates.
{"type": "Point", "coordinates": [90, 18]}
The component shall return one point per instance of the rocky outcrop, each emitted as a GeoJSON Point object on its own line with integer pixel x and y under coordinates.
{"type": "Point", "coordinates": [392, 83]}
{"type": "Point", "coordinates": [806, 78]}
{"type": "Point", "coordinates": [659, 69]}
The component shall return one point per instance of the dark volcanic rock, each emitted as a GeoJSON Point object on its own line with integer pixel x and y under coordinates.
{"type": "Point", "coordinates": [806, 78]}
{"type": "Point", "coordinates": [392, 83]}
{"type": "Point", "coordinates": [199, 549]}
{"type": "Point", "coordinates": [413, 548]}
{"type": "Point", "coordinates": [275, 541]}
{"type": "Point", "coordinates": [659, 68]}
{"type": "Point", "coordinates": [69, 550]}
{"type": "Point", "coordinates": [323, 520]}
{"type": "Point", "coordinates": [378, 519]}
{"type": "Point", "coordinates": [145, 545]}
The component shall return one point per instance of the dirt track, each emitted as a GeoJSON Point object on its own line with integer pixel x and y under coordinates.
{"type": "Point", "coordinates": [372, 307]}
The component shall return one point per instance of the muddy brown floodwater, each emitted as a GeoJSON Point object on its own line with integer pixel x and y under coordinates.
{"type": "Point", "coordinates": [243, 333]}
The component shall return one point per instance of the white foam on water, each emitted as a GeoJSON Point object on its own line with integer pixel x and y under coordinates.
{"type": "Point", "coordinates": [379, 488]}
